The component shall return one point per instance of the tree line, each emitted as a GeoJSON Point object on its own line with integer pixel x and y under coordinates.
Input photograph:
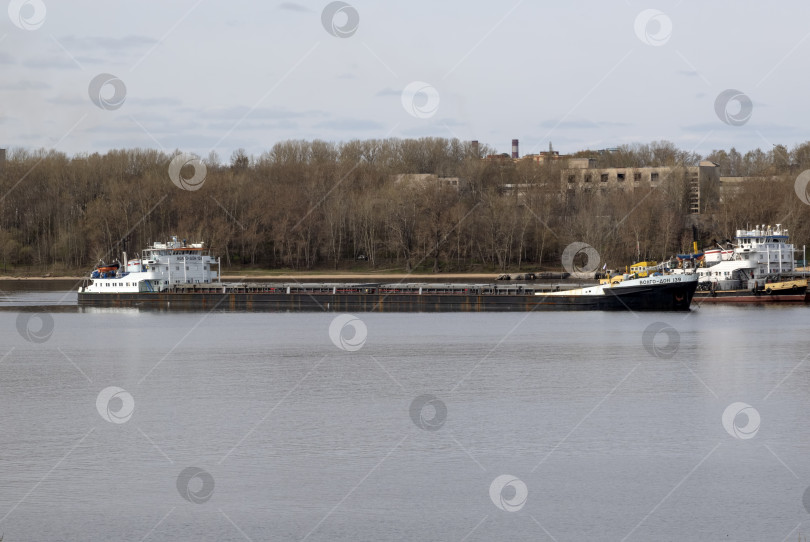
{"type": "Point", "coordinates": [357, 205]}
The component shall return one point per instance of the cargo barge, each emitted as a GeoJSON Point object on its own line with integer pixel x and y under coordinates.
{"type": "Point", "coordinates": [748, 297]}
{"type": "Point", "coordinates": [177, 275]}
{"type": "Point", "coordinates": [659, 293]}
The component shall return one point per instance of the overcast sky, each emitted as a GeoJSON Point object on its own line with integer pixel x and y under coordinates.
{"type": "Point", "coordinates": [197, 75]}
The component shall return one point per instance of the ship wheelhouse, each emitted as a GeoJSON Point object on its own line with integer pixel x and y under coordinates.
{"type": "Point", "coordinates": [768, 247]}
{"type": "Point", "coordinates": [159, 268]}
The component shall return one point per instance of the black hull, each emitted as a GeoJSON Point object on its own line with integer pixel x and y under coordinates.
{"type": "Point", "coordinates": [668, 297]}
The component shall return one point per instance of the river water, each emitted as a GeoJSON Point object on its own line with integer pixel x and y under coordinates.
{"type": "Point", "coordinates": [119, 424]}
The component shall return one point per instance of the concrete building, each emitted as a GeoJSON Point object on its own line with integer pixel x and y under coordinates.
{"type": "Point", "coordinates": [581, 163]}
{"type": "Point", "coordinates": [730, 186]}
{"type": "Point", "coordinates": [581, 174]}
{"type": "Point", "coordinates": [423, 180]}
{"type": "Point", "coordinates": [702, 181]}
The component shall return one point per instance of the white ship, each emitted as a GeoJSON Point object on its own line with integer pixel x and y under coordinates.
{"type": "Point", "coordinates": [182, 276]}
{"type": "Point", "coordinates": [160, 267]}
{"type": "Point", "coordinates": [759, 255]}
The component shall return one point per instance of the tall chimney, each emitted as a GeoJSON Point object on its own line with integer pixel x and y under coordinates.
{"type": "Point", "coordinates": [515, 153]}
{"type": "Point", "coordinates": [475, 148]}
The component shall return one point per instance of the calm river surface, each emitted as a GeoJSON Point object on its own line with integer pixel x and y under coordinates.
{"type": "Point", "coordinates": [129, 425]}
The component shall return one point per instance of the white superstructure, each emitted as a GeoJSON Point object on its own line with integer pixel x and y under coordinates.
{"type": "Point", "coordinates": [716, 255]}
{"type": "Point", "coordinates": [759, 254]}
{"type": "Point", "coordinates": [159, 268]}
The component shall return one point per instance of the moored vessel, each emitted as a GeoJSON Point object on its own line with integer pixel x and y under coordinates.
{"type": "Point", "coordinates": [160, 267]}
{"type": "Point", "coordinates": [177, 275]}
{"type": "Point", "coordinates": [759, 268]}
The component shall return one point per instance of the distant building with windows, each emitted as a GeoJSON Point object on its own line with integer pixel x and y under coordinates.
{"type": "Point", "coordinates": [731, 186]}
{"type": "Point", "coordinates": [703, 180]}
{"type": "Point", "coordinates": [581, 174]}
{"type": "Point", "coordinates": [423, 180]}
{"type": "Point", "coordinates": [503, 157]}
